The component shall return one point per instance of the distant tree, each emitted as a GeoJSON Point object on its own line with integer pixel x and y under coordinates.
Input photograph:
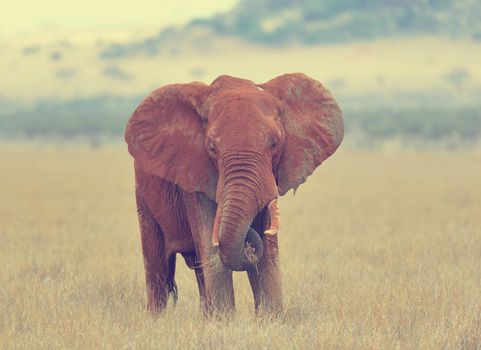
{"type": "Point", "coordinates": [457, 77]}
{"type": "Point", "coordinates": [117, 73]}
{"type": "Point", "coordinates": [65, 73]}
{"type": "Point", "coordinates": [55, 56]}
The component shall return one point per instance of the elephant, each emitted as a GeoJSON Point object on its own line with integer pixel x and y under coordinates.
{"type": "Point", "coordinates": [210, 162]}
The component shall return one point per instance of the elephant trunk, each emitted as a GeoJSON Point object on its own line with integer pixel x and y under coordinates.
{"type": "Point", "coordinates": [240, 246]}
{"type": "Point", "coordinates": [242, 196]}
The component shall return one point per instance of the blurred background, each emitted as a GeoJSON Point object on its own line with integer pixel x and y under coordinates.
{"type": "Point", "coordinates": [406, 73]}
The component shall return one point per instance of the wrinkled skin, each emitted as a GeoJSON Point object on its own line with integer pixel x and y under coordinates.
{"type": "Point", "coordinates": [208, 161]}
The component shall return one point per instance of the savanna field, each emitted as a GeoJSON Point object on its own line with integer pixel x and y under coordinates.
{"type": "Point", "coordinates": [378, 251]}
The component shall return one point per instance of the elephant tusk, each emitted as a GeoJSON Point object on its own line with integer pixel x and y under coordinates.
{"type": "Point", "coordinates": [215, 230]}
{"type": "Point", "coordinates": [275, 217]}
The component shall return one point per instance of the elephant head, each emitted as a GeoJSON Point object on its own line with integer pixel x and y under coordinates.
{"type": "Point", "coordinates": [240, 143]}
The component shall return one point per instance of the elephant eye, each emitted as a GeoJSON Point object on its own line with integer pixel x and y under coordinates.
{"type": "Point", "coordinates": [273, 144]}
{"type": "Point", "coordinates": [211, 146]}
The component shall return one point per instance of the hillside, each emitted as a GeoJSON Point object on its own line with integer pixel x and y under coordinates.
{"type": "Point", "coordinates": [313, 21]}
{"type": "Point", "coordinates": [280, 22]}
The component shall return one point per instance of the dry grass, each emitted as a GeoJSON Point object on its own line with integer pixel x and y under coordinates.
{"type": "Point", "coordinates": [378, 251]}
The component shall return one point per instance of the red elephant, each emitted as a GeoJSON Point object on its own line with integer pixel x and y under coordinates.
{"type": "Point", "coordinates": [210, 162]}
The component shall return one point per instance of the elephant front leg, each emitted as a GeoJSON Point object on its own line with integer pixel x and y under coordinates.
{"type": "Point", "coordinates": [265, 279]}
{"type": "Point", "coordinates": [219, 288]}
{"type": "Point", "coordinates": [215, 281]}
{"type": "Point", "coordinates": [158, 263]}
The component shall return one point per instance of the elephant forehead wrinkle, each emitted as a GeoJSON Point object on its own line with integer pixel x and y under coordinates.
{"type": "Point", "coordinates": [243, 95]}
{"type": "Point", "coordinates": [242, 102]}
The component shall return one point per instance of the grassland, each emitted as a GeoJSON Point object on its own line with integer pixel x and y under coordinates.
{"type": "Point", "coordinates": [378, 251]}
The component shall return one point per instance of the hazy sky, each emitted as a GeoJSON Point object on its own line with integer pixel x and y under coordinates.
{"type": "Point", "coordinates": [27, 16]}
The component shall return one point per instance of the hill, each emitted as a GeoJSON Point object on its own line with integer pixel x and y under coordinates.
{"type": "Point", "coordinates": [280, 22]}
{"type": "Point", "coordinates": [313, 21]}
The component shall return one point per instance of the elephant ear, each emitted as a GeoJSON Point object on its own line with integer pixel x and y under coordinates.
{"type": "Point", "coordinates": [165, 135]}
{"type": "Point", "coordinates": [313, 126]}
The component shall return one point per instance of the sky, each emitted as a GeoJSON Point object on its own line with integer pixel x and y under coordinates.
{"type": "Point", "coordinates": [28, 17]}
